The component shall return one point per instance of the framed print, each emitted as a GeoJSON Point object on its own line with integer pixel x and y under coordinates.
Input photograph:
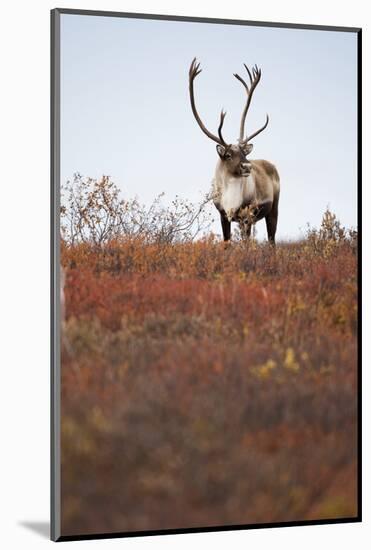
{"type": "Point", "coordinates": [206, 282]}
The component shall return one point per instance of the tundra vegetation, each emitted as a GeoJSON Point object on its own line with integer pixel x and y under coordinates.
{"type": "Point", "coordinates": [203, 385]}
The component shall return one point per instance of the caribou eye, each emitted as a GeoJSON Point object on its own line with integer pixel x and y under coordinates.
{"type": "Point", "coordinates": [228, 156]}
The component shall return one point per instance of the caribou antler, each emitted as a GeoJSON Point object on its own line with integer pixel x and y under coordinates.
{"type": "Point", "coordinates": [254, 81]}
{"type": "Point", "coordinates": [195, 70]}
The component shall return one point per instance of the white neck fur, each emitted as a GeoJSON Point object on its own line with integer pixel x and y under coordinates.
{"type": "Point", "coordinates": [232, 191]}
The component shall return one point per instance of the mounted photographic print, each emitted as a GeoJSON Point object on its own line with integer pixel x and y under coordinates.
{"type": "Point", "coordinates": [205, 274]}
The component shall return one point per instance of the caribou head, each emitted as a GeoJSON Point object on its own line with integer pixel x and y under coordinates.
{"type": "Point", "coordinates": [233, 156]}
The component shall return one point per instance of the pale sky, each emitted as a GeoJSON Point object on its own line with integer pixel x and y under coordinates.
{"type": "Point", "coordinates": [125, 110]}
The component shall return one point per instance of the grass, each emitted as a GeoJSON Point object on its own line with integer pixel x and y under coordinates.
{"type": "Point", "coordinates": [204, 385]}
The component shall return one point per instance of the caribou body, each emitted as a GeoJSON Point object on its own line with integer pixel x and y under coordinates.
{"type": "Point", "coordinates": [243, 190]}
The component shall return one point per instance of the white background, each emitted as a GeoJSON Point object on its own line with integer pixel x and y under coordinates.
{"type": "Point", "coordinates": [24, 289]}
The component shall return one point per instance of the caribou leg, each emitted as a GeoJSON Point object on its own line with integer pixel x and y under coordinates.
{"type": "Point", "coordinates": [271, 222]}
{"type": "Point", "coordinates": [226, 227]}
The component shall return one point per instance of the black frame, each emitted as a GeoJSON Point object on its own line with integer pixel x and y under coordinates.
{"type": "Point", "coordinates": [55, 492]}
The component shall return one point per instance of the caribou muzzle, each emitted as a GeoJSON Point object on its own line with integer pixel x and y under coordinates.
{"type": "Point", "coordinates": [245, 169]}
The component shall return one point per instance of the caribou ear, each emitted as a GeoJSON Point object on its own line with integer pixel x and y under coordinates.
{"type": "Point", "coordinates": [221, 150]}
{"type": "Point", "coordinates": [247, 148]}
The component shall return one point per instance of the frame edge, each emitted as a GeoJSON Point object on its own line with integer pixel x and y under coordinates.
{"type": "Point", "coordinates": [195, 19]}
{"type": "Point", "coordinates": [55, 473]}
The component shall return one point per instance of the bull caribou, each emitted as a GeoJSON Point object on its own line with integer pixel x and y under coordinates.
{"type": "Point", "coordinates": [243, 191]}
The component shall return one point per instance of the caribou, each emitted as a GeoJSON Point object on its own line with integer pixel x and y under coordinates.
{"type": "Point", "coordinates": [244, 191]}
